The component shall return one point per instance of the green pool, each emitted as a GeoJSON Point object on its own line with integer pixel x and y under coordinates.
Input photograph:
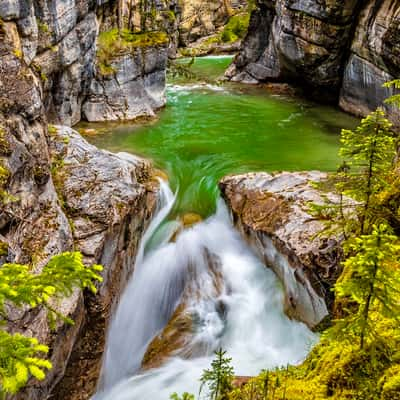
{"type": "Point", "coordinates": [210, 130]}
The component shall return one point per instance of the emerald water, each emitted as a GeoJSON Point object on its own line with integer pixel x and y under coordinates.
{"type": "Point", "coordinates": [209, 130]}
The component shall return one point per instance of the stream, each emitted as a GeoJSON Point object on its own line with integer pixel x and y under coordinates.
{"type": "Point", "coordinates": [234, 302]}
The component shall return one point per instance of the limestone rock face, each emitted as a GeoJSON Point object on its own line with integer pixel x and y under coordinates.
{"type": "Point", "coordinates": [302, 40]}
{"type": "Point", "coordinates": [202, 18]}
{"type": "Point", "coordinates": [137, 88]}
{"type": "Point", "coordinates": [58, 193]}
{"type": "Point", "coordinates": [374, 59]}
{"type": "Point", "coordinates": [271, 212]}
{"type": "Point", "coordinates": [108, 199]}
{"type": "Point", "coordinates": [343, 48]}
{"type": "Point", "coordinates": [56, 39]}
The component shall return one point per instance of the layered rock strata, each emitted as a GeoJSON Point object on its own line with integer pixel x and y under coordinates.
{"type": "Point", "coordinates": [272, 212]}
{"type": "Point", "coordinates": [58, 193]}
{"type": "Point", "coordinates": [135, 88]}
{"type": "Point", "coordinates": [57, 41]}
{"type": "Point", "coordinates": [342, 50]}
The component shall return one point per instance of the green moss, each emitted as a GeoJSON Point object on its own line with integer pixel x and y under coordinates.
{"type": "Point", "coordinates": [4, 176]}
{"type": "Point", "coordinates": [113, 43]}
{"type": "Point", "coordinates": [337, 371]}
{"type": "Point", "coordinates": [5, 148]}
{"type": "Point", "coordinates": [42, 26]}
{"type": "Point", "coordinates": [18, 53]}
{"type": "Point", "coordinates": [106, 69]}
{"type": "Point", "coordinates": [3, 249]}
{"type": "Point", "coordinates": [52, 130]}
{"type": "Point", "coordinates": [236, 28]}
{"type": "Point", "coordinates": [169, 15]}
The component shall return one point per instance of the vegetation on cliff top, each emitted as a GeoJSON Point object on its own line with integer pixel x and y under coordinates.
{"type": "Point", "coordinates": [236, 28]}
{"type": "Point", "coordinates": [114, 43]}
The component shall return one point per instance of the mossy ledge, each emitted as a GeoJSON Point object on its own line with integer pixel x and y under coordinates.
{"type": "Point", "coordinates": [114, 43]}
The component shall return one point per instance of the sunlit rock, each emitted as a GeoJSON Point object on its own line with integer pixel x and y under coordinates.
{"type": "Point", "coordinates": [272, 213]}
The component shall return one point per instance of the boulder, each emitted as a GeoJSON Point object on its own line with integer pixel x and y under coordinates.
{"type": "Point", "coordinates": [178, 336]}
{"type": "Point", "coordinates": [272, 214]}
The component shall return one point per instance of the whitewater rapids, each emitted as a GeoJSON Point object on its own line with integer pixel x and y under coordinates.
{"type": "Point", "coordinates": [254, 330]}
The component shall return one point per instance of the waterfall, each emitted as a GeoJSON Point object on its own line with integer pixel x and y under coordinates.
{"type": "Point", "coordinates": [235, 303]}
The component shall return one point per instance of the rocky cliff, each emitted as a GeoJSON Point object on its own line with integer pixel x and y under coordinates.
{"type": "Point", "coordinates": [201, 18]}
{"type": "Point", "coordinates": [340, 50]}
{"type": "Point", "coordinates": [272, 214]}
{"type": "Point", "coordinates": [58, 193]}
{"type": "Point", "coordinates": [57, 41]}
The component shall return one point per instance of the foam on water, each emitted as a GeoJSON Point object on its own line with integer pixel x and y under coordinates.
{"type": "Point", "coordinates": [253, 329]}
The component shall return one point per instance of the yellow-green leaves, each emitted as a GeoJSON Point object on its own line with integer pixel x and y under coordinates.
{"type": "Point", "coordinates": [19, 355]}
{"type": "Point", "coordinates": [19, 358]}
{"type": "Point", "coordinates": [371, 285]}
{"type": "Point", "coordinates": [395, 99]}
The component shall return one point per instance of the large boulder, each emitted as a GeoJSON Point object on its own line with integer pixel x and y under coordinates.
{"type": "Point", "coordinates": [272, 212]}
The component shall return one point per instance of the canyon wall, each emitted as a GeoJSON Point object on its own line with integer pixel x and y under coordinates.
{"type": "Point", "coordinates": [57, 192]}
{"type": "Point", "coordinates": [339, 50]}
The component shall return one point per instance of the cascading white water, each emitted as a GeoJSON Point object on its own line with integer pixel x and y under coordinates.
{"type": "Point", "coordinates": [253, 328]}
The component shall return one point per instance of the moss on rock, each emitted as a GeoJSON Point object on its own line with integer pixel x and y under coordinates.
{"type": "Point", "coordinates": [114, 43]}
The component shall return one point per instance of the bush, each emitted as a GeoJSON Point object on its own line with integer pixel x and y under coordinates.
{"type": "Point", "coordinates": [236, 28]}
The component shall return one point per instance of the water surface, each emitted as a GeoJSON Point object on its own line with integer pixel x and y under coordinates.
{"type": "Point", "coordinates": [206, 131]}
{"type": "Point", "coordinates": [210, 130]}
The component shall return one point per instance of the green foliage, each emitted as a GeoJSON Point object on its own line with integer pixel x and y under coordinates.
{"type": "Point", "coordinates": [219, 378]}
{"type": "Point", "coordinates": [236, 28]}
{"type": "Point", "coordinates": [359, 356]}
{"type": "Point", "coordinates": [19, 356]}
{"type": "Point", "coordinates": [185, 396]}
{"type": "Point", "coordinates": [395, 99]}
{"type": "Point", "coordinates": [114, 43]}
{"type": "Point", "coordinates": [370, 284]}
{"type": "Point", "coordinates": [42, 26]}
{"type": "Point", "coordinates": [5, 148]}
{"type": "Point", "coordinates": [369, 152]}
{"type": "Point", "coordinates": [18, 360]}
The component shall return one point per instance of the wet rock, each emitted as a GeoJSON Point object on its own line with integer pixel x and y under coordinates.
{"type": "Point", "coordinates": [191, 219]}
{"type": "Point", "coordinates": [108, 200]}
{"type": "Point", "coordinates": [271, 212]}
{"type": "Point", "coordinates": [335, 48]}
{"type": "Point", "coordinates": [374, 60]}
{"type": "Point", "coordinates": [177, 338]}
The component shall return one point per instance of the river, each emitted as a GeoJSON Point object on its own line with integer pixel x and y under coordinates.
{"type": "Point", "coordinates": [206, 131]}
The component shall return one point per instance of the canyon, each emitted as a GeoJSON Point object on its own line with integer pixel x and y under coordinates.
{"type": "Point", "coordinates": [61, 193]}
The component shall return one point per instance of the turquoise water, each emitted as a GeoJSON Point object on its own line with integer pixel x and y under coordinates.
{"type": "Point", "coordinates": [209, 130]}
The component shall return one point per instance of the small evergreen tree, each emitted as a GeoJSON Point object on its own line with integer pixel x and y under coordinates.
{"type": "Point", "coordinates": [20, 356]}
{"type": "Point", "coordinates": [369, 150]}
{"type": "Point", "coordinates": [371, 281]}
{"type": "Point", "coordinates": [219, 378]}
